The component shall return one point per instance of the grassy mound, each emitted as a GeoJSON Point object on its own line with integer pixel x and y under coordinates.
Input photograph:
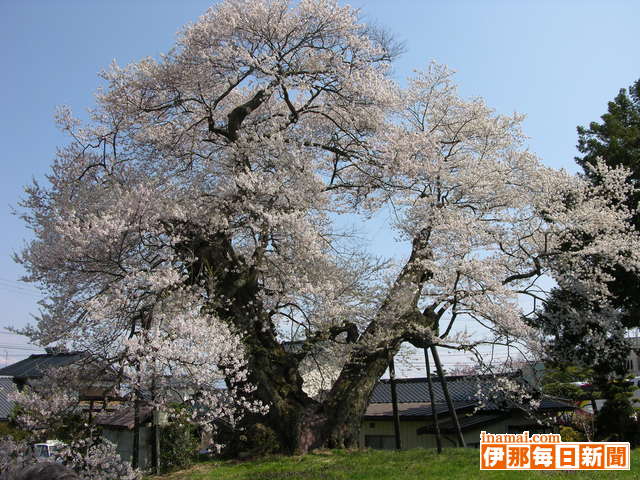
{"type": "Point", "coordinates": [453, 464]}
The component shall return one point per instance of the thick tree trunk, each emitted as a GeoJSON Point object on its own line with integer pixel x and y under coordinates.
{"type": "Point", "coordinates": [336, 422]}
{"type": "Point", "coordinates": [271, 369]}
{"type": "Point", "coordinates": [303, 424]}
{"type": "Point", "coordinates": [279, 385]}
{"type": "Point", "coordinates": [299, 422]}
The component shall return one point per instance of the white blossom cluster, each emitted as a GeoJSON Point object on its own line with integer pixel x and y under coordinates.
{"type": "Point", "coordinates": [48, 401]}
{"type": "Point", "coordinates": [97, 461]}
{"type": "Point", "coordinates": [91, 461]}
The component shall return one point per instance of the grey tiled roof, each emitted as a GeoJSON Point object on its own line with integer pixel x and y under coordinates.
{"type": "Point", "coordinates": [35, 365]}
{"type": "Point", "coordinates": [124, 418]}
{"type": "Point", "coordinates": [413, 396]}
{"type": "Point", "coordinates": [417, 409]}
{"type": "Point", "coordinates": [461, 389]}
{"type": "Point", "coordinates": [6, 387]}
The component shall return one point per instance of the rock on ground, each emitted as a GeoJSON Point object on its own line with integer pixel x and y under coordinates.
{"type": "Point", "coordinates": [41, 471]}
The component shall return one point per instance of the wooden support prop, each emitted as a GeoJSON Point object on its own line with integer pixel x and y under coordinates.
{"type": "Point", "coordinates": [436, 426]}
{"type": "Point", "coordinates": [394, 402]}
{"type": "Point", "coordinates": [445, 390]}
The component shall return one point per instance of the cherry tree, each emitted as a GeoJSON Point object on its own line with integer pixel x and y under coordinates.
{"type": "Point", "coordinates": [46, 403]}
{"type": "Point", "coordinates": [196, 219]}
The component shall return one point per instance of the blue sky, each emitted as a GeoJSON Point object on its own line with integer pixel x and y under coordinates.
{"type": "Point", "coordinates": [559, 62]}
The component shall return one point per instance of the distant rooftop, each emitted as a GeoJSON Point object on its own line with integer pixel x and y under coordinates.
{"type": "Point", "coordinates": [413, 396]}
{"type": "Point", "coordinates": [35, 365]}
{"type": "Point", "coordinates": [125, 417]}
{"type": "Point", "coordinates": [462, 388]}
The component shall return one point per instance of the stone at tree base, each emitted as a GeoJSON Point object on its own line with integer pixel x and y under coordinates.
{"type": "Point", "coordinates": [41, 471]}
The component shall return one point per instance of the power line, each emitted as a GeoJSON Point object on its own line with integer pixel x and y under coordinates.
{"type": "Point", "coordinates": [16, 288]}
{"type": "Point", "coordinates": [9, 332]}
{"type": "Point", "coordinates": [18, 292]}
{"type": "Point", "coordinates": [21, 347]}
{"type": "Point", "coordinates": [18, 284]}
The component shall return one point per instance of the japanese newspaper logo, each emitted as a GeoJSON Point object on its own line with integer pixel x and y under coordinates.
{"type": "Point", "coordinates": [548, 452]}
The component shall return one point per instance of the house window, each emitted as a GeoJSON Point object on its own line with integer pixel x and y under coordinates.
{"type": "Point", "coordinates": [629, 364]}
{"type": "Point", "coordinates": [380, 442]}
{"type": "Point", "coordinates": [372, 425]}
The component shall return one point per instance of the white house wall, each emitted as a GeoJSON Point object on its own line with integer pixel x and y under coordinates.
{"type": "Point", "coordinates": [410, 439]}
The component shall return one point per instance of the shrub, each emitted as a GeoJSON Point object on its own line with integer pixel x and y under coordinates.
{"type": "Point", "coordinates": [178, 442]}
{"type": "Point", "coordinates": [253, 440]}
{"type": "Point", "coordinates": [569, 434]}
{"type": "Point", "coordinates": [9, 430]}
{"type": "Point", "coordinates": [616, 418]}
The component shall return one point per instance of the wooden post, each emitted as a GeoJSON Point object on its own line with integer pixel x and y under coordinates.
{"type": "Point", "coordinates": [156, 430]}
{"type": "Point", "coordinates": [394, 402]}
{"type": "Point", "coordinates": [91, 415]}
{"type": "Point", "coordinates": [156, 440]}
{"type": "Point", "coordinates": [135, 456]}
{"type": "Point", "coordinates": [445, 390]}
{"type": "Point", "coordinates": [434, 414]}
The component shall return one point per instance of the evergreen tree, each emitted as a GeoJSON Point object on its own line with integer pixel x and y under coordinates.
{"type": "Point", "coordinates": [581, 331]}
{"type": "Point", "coordinates": [616, 140]}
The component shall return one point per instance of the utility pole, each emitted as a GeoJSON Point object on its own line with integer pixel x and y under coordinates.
{"type": "Point", "coordinates": [394, 401]}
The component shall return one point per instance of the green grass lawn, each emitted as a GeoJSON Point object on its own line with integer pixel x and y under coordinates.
{"type": "Point", "coordinates": [453, 464]}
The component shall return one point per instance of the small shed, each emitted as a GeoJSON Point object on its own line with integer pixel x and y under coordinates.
{"type": "Point", "coordinates": [118, 428]}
